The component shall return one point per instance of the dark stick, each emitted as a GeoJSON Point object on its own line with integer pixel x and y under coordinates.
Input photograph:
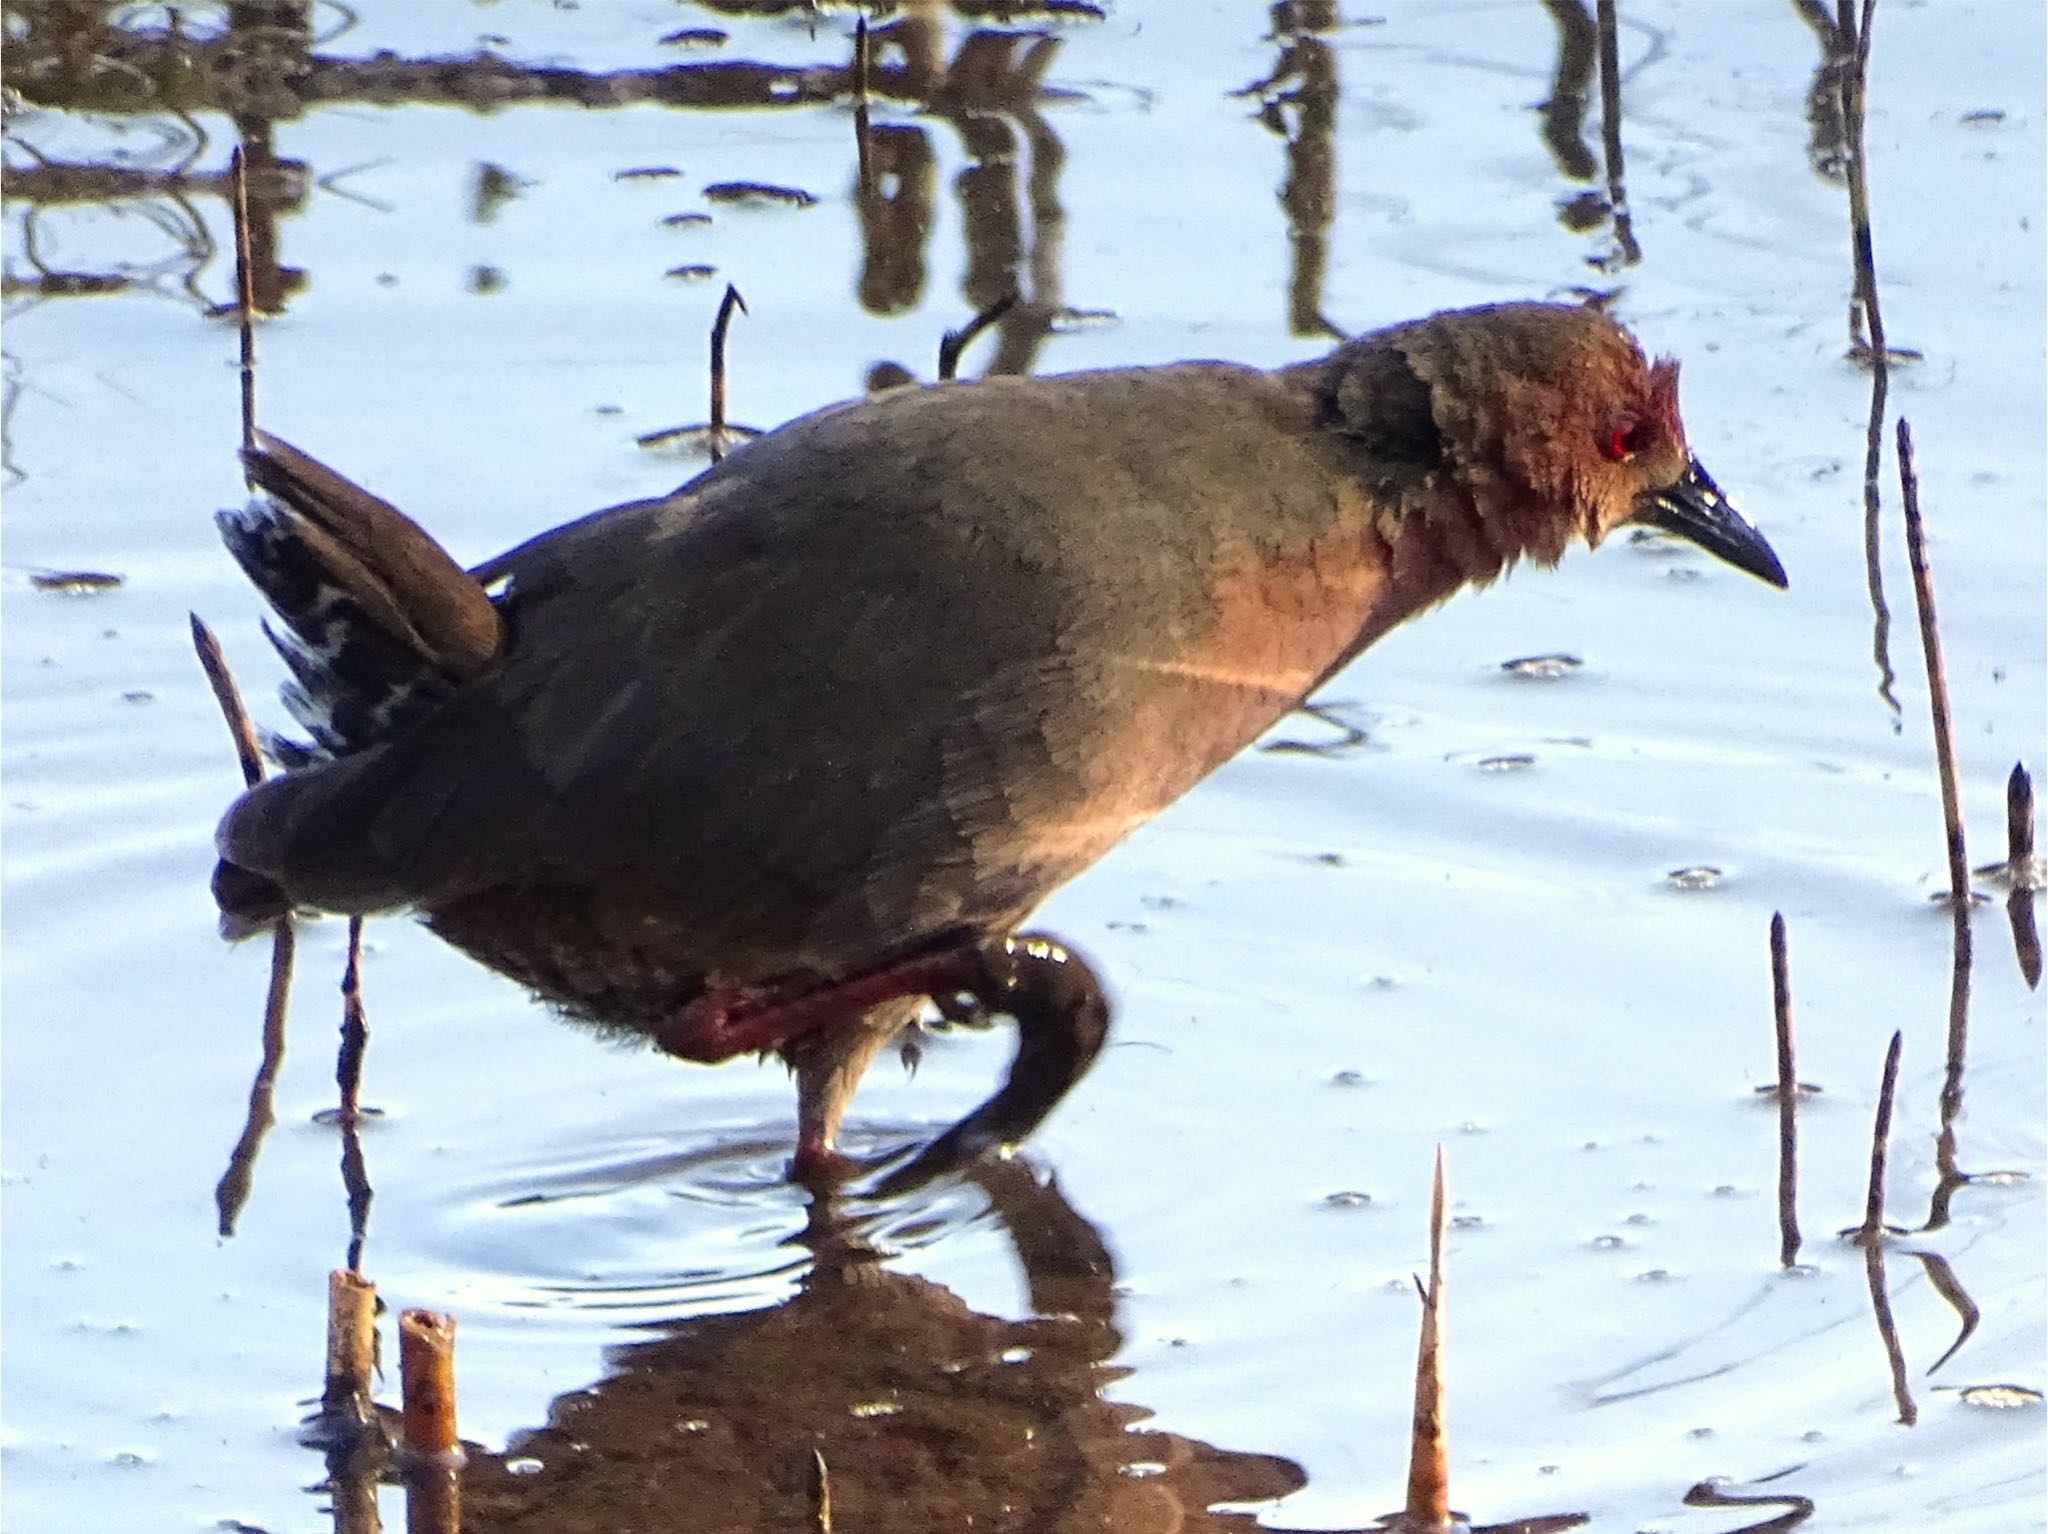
{"type": "Point", "coordinates": [860, 105]}
{"type": "Point", "coordinates": [229, 697]}
{"type": "Point", "coordinates": [1937, 675]}
{"type": "Point", "coordinates": [1788, 1098]}
{"type": "Point", "coordinates": [719, 327]}
{"type": "Point", "coordinates": [1872, 1231]}
{"type": "Point", "coordinates": [245, 298]}
{"type": "Point", "coordinates": [954, 342]}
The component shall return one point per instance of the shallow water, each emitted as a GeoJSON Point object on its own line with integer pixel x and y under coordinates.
{"type": "Point", "coordinates": [1463, 928]}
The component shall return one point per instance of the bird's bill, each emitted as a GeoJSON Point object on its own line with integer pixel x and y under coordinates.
{"type": "Point", "coordinates": [1693, 508]}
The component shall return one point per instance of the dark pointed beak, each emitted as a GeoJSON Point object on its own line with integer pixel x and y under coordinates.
{"type": "Point", "coordinates": [1693, 508]}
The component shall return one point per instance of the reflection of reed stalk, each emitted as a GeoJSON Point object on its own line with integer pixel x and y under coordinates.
{"type": "Point", "coordinates": [245, 299]}
{"type": "Point", "coordinates": [860, 105]}
{"type": "Point", "coordinates": [1627, 251]}
{"type": "Point", "coordinates": [1871, 1236]}
{"type": "Point", "coordinates": [821, 1493]}
{"type": "Point", "coordinates": [2024, 872]}
{"type": "Point", "coordinates": [1865, 319]}
{"type": "Point", "coordinates": [232, 1191]}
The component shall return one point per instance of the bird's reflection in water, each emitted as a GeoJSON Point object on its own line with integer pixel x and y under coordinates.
{"type": "Point", "coordinates": [927, 1414]}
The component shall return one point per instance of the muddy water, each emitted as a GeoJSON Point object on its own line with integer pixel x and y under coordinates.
{"type": "Point", "coordinates": [1459, 924]}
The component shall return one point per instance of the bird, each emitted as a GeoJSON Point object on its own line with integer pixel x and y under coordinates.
{"type": "Point", "coordinates": [777, 761]}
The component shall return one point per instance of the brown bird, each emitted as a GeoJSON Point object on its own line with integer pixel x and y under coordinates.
{"type": "Point", "coordinates": [771, 761]}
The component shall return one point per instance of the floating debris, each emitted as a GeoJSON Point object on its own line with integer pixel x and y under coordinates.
{"type": "Point", "coordinates": [757, 194]}
{"type": "Point", "coordinates": [647, 173]}
{"type": "Point", "coordinates": [696, 37]}
{"type": "Point", "coordinates": [1068, 322]}
{"type": "Point", "coordinates": [1513, 761]}
{"type": "Point", "coordinates": [76, 583]}
{"type": "Point", "coordinates": [1693, 877]}
{"type": "Point", "coordinates": [493, 188]}
{"type": "Point", "coordinates": [1542, 668]}
{"type": "Point", "coordinates": [1349, 1199]}
{"type": "Point", "coordinates": [686, 221]}
{"type": "Point", "coordinates": [691, 441]}
{"type": "Point", "coordinates": [696, 272]}
{"type": "Point", "coordinates": [1769, 1090]}
{"type": "Point", "coordinates": [2001, 1397]}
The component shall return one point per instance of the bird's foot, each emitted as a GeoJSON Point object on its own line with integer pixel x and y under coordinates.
{"type": "Point", "coordinates": [1061, 1013]}
{"type": "Point", "coordinates": [1062, 1020]}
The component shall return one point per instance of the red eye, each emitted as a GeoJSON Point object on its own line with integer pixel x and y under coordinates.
{"type": "Point", "coordinates": [1622, 441]}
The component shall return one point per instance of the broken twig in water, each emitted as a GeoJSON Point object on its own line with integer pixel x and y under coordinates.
{"type": "Point", "coordinates": [1871, 1232]}
{"type": "Point", "coordinates": [426, 1374]}
{"type": "Point", "coordinates": [1937, 676]}
{"type": "Point", "coordinates": [432, 1451]}
{"type": "Point", "coordinates": [1429, 1472]}
{"type": "Point", "coordinates": [2019, 828]}
{"type": "Point", "coordinates": [719, 327]}
{"type": "Point", "coordinates": [346, 1409]}
{"type": "Point", "coordinates": [214, 663]}
{"type": "Point", "coordinates": [1788, 1097]}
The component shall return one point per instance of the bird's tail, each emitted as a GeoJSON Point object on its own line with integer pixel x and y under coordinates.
{"type": "Point", "coordinates": [379, 622]}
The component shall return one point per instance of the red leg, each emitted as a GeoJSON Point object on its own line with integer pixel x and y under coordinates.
{"type": "Point", "coordinates": [726, 1021]}
{"type": "Point", "coordinates": [831, 1032]}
